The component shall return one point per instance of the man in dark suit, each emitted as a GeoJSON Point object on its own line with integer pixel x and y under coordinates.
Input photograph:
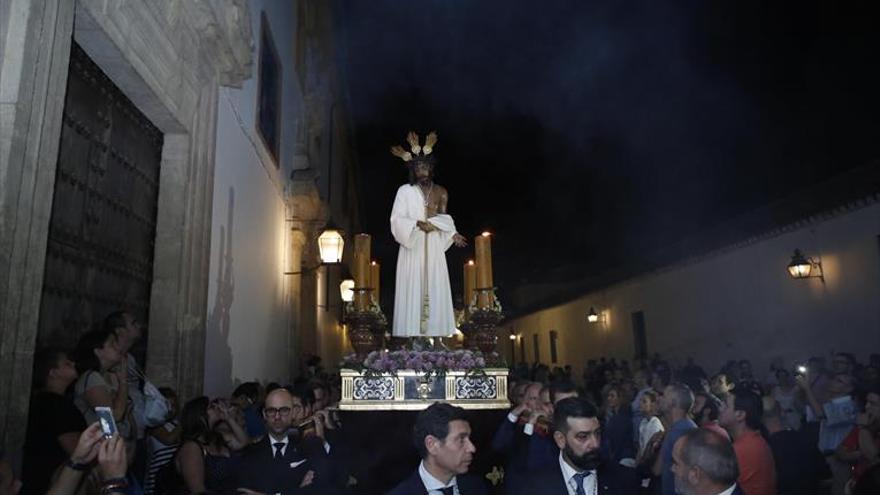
{"type": "Point", "coordinates": [704, 463]}
{"type": "Point", "coordinates": [282, 463]}
{"type": "Point", "coordinates": [442, 436]}
{"type": "Point", "coordinates": [579, 469]}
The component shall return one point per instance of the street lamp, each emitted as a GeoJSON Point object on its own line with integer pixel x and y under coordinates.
{"type": "Point", "coordinates": [330, 246]}
{"type": "Point", "coordinates": [592, 316]}
{"type": "Point", "coordinates": [804, 267]}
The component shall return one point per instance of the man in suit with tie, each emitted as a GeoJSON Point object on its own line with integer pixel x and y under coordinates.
{"type": "Point", "coordinates": [579, 470]}
{"type": "Point", "coordinates": [279, 463]}
{"type": "Point", "coordinates": [442, 435]}
{"type": "Point", "coordinates": [704, 463]}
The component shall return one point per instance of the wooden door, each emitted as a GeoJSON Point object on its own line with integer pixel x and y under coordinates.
{"type": "Point", "coordinates": [103, 226]}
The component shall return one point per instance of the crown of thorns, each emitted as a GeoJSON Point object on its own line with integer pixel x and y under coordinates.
{"type": "Point", "coordinates": [416, 150]}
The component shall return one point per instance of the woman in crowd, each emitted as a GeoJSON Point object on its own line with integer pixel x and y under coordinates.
{"type": "Point", "coordinates": [650, 436]}
{"type": "Point", "coordinates": [204, 461]}
{"type": "Point", "coordinates": [789, 398]}
{"type": "Point", "coordinates": [103, 383]}
{"type": "Point", "coordinates": [861, 447]}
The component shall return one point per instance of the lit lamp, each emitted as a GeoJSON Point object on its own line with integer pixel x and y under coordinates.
{"type": "Point", "coordinates": [803, 267]}
{"type": "Point", "coordinates": [330, 245]}
{"type": "Point", "coordinates": [592, 316]}
{"type": "Point", "coordinates": [346, 290]}
{"type": "Point", "coordinates": [512, 337]}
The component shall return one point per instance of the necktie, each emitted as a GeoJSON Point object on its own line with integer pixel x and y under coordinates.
{"type": "Point", "coordinates": [278, 446]}
{"type": "Point", "coordinates": [449, 490]}
{"type": "Point", "coordinates": [579, 481]}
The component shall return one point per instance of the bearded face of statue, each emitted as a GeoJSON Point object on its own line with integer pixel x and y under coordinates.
{"type": "Point", "coordinates": [421, 170]}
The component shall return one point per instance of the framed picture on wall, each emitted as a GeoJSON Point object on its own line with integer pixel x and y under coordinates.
{"type": "Point", "coordinates": [269, 91]}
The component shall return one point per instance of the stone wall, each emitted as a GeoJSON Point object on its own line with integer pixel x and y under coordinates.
{"type": "Point", "coordinates": [270, 301]}
{"type": "Point", "coordinates": [733, 304]}
{"type": "Point", "coordinates": [169, 58]}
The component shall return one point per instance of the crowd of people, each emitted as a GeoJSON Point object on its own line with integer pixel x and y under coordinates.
{"type": "Point", "coordinates": [804, 429]}
{"type": "Point", "coordinates": [261, 439]}
{"type": "Point", "coordinates": [645, 428]}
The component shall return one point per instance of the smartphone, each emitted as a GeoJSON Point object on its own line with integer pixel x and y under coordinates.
{"type": "Point", "coordinates": [108, 424]}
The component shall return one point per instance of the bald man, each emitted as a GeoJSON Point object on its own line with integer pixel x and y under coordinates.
{"type": "Point", "coordinates": [281, 463]}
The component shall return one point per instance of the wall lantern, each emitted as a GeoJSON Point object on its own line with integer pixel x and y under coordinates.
{"type": "Point", "coordinates": [513, 336]}
{"type": "Point", "coordinates": [346, 290]}
{"type": "Point", "coordinates": [330, 246]}
{"type": "Point", "coordinates": [592, 316]}
{"type": "Point", "coordinates": [804, 267]}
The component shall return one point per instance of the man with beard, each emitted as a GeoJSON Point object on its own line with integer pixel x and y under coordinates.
{"type": "Point", "coordinates": [580, 470]}
{"type": "Point", "coordinates": [704, 463]}
{"type": "Point", "coordinates": [442, 435]}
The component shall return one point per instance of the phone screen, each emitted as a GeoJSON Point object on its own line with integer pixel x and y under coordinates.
{"type": "Point", "coordinates": [108, 424]}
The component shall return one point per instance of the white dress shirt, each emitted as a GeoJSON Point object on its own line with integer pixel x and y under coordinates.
{"type": "Point", "coordinates": [272, 441]}
{"type": "Point", "coordinates": [432, 484]}
{"type": "Point", "coordinates": [729, 491]}
{"type": "Point", "coordinates": [568, 473]}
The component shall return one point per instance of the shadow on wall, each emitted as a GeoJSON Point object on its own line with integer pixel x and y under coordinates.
{"type": "Point", "coordinates": [218, 351]}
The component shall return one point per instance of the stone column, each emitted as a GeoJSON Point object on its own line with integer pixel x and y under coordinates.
{"type": "Point", "coordinates": [309, 294]}
{"type": "Point", "coordinates": [33, 79]}
{"type": "Point", "coordinates": [178, 303]}
{"type": "Point", "coordinates": [297, 243]}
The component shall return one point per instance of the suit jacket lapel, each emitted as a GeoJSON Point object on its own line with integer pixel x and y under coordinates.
{"type": "Point", "coordinates": [416, 483]}
{"type": "Point", "coordinates": [556, 482]}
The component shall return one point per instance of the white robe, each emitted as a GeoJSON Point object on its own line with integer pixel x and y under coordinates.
{"type": "Point", "coordinates": [412, 317]}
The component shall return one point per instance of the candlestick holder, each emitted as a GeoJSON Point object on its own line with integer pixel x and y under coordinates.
{"type": "Point", "coordinates": [367, 325]}
{"type": "Point", "coordinates": [479, 328]}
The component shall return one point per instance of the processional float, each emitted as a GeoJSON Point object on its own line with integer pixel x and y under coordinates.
{"type": "Point", "coordinates": [416, 376]}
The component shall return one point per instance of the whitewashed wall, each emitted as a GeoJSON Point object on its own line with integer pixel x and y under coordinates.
{"type": "Point", "coordinates": [247, 333]}
{"type": "Point", "coordinates": [738, 303]}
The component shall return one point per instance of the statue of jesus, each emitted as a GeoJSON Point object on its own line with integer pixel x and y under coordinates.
{"type": "Point", "coordinates": [420, 224]}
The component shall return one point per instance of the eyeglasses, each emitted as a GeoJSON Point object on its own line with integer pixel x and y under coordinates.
{"type": "Point", "coordinates": [275, 411]}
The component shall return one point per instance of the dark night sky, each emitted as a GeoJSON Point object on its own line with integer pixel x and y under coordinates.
{"type": "Point", "coordinates": [589, 133]}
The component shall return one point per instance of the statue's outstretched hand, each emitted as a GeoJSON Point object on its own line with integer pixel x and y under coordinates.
{"type": "Point", "coordinates": [459, 240]}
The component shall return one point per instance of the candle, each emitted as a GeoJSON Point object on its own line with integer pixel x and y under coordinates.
{"type": "Point", "coordinates": [374, 280]}
{"type": "Point", "coordinates": [483, 248]}
{"type": "Point", "coordinates": [361, 269]}
{"type": "Point", "coordinates": [470, 281]}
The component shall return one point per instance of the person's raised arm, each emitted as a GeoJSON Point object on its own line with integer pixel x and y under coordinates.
{"type": "Point", "coordinates": [165, 436]}
{"type": "Point", "coordinates": [112, 465]}
{"type": "Point", "coordinates": [814, 404]}
{"type": "Point", "coordinates": [240, 434]}
{"type": "Point", "coordinates": [83, 454]}
{"type": "Point", "coordinates": [192, 466]}
{"type": "Point", "coordinates": [102, 396]}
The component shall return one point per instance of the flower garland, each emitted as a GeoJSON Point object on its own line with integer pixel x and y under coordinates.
{"type": "Point", "coordinates": [431, 363]}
